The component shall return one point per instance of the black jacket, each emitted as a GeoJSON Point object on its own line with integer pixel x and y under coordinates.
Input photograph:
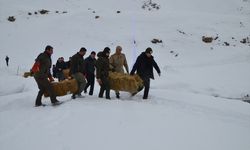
{"type": "Point", "coordinates": [102, 66]}
{"type": "Point", "coordinates": [45, 64]}
{"type": "Point", "coordinates": [77, 64]}
{"type": "Point", "coordinates": [90, 65]}
{"type": "Point", "coordinates": [144, 66]}
{"type": "Point", "coordinates": [60, 66]}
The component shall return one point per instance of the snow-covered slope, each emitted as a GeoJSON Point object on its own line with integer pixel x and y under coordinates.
{"type": "Point", "coordinates": [195, 104]}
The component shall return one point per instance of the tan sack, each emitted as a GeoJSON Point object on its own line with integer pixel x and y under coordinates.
{"type": "Point", "coordinates": [64, 87]}
{"type": "Point", "coordinates": [66, 73]}
{"type": "Point", "coordinates": [27, 74]}
{"type": "Point", "coordinates": [125, 82]}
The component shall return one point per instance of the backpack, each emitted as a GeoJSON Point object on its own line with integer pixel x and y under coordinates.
{"type": "Point", "coordinates": [36, 67]}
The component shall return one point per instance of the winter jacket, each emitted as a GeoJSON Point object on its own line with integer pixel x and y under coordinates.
{"type": "Point", "coordinates": [102, 66]}
{"type": "Point", "coordinates": [44, 59]}
{"type": "Point", "coordinates": [144, 66]}
{"type": "Point", "coordinates": [117, 61]}
{"type": "Point", "coordinates": [77, 64]}
{"type": "Point", "coordinates": [90, 65]}
{"type": "Point", "coordinates": [60, 66]}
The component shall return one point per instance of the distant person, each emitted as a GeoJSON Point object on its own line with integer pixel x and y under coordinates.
{"type": "Point", "coordinates": [7, 60]}
{"type": "Point", "coordinates": [41, 75]}
{"type": "Point", "coordinates": [144, 67]}
{"type": "Point", "coordinates": [102, 72]}
{"type": "Point", "coordinates": [60, 66]}
{"type": "Point", "coordinates": [117, 61]}
{"type": "Point", "coordinates": [90, 72]}
{"type": "Point", "coordinates": [77, 71]}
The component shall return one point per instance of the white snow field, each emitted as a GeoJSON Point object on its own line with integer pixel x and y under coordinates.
{"type": "Point", "coordinates": [196, 103]}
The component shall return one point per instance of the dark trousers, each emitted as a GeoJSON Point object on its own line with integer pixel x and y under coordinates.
{"type": "Point", "coordinates": [81, 82]}
{"type": "Point", "coordinates": [44, 85]}
{"type": "Point", "coordinates": [60, 76]}
{"type": "Point", "coordinates": [105, 86]}
{"type": "Point", "coordinates": [146, 83]}
{"type": "Point", "coordinates": [91, 83]}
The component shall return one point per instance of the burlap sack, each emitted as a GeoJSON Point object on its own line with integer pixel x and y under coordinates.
{"type": "Point", "coordinates": [27, 74]}
{"type": "Point", "coordinates": [66, 73]}
{"type": "Point", "coordinates": [64, 87]}
{"type": "Point", "coordinates": [121, 81]}
{"type": "Point", "coordinates": [125, 82]}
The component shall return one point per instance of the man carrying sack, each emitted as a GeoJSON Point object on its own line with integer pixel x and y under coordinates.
{"type": "Point", "coordinates": [117, 61]}
{"type": "Point", "coordinates": [41, 71]}
{"type": "Point", "coordinates": [77, 71]}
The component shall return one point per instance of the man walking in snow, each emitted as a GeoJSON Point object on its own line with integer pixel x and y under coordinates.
{"type": "Point", "coordinates": [102, 72]}
{"type": "Point", "coordinates": [144, 66]}
{"type": "Point", "coordinates": [117, 61]}
{"type": "Point", "coordinates": [7, 60]}
{"type": "Point", "coordinates": [77, 71]}
{"type": "Point", "coordinates": [43, 76]}
{"type": "Point", "coordinates": [90, 72]}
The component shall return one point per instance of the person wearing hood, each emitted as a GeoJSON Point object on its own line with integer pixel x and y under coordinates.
{"type": "Point", "coordinates": [144, 68]}
{"type": "Point", "coordinates": [77, 71]}
{"type": "Point", "coordinates": [102, 72]}
{"type": "Point", "coordinates": [43, 77]}
{"type": "Point", "coordinates": [60, 66]}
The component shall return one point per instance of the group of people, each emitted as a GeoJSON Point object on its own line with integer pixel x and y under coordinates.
{"type": "Point", "coordinates": [84, 71]}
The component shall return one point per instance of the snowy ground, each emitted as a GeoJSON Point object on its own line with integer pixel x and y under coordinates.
{"type": "Point", "coordinates": [195, 104]}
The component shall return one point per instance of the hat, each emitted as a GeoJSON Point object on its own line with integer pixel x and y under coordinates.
{"type": "Point", "coordinates": [106, 50]}
{"type": "Point", "coordinates": [149, 50]}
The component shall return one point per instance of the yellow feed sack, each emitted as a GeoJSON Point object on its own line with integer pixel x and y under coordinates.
{"type": "Point", "coordinates": [27, 74]}
{"type": "Point", "coordinates": [64, 87]}
{"type": "Point", "coordinates": [66, 73]}
{"type": "Point", "coordinates": [125, 82]}
{"type": "Point", "coordinates": [120, 81]}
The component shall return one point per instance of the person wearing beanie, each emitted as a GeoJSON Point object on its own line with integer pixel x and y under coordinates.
{"type": "Point", "coordinates": [90, 72]}
{"type": "Point", "coordinates": [102, 72]}
{"type": "Point", "coordinates": [144, 68]}
{"type": "Point", "coordinates": [77, 71]}
{"type": "Point", "coordinates": [117, 61]}
{"type": "Point", "coordinates": [43, 77]}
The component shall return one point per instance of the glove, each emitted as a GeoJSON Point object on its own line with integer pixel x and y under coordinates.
{"type": "Point", "coordinates": [51, 79]}
{"type": "Point", "coordinates": [99, 81]}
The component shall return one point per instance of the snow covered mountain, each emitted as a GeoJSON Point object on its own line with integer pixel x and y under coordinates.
{"type": "Point", "coordinates": [195, 104]}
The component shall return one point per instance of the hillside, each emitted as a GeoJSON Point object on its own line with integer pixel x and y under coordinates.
{"type": "Point", "coordinates": [196, 103]}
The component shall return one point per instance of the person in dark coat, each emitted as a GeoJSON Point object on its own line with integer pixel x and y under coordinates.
{"type": "Point", "coordinates": [77, 71]}
{"type": "Point", "coordinates": [7, 60]}
{"type": "Point", "coordinates": [90, 72]}
{"type": "Point", "coordinates": [68, 63]}
{"type": "Point", "coordinates": [102, 72]}
{"type": "Point", "coordinates": [144, 68]}
{"type": "Point", "coordinates": [60, 66]}
{"type": "Point", "coordinates": [54, 71]}
{"type": "Point", "coordinates": [43, 62]}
